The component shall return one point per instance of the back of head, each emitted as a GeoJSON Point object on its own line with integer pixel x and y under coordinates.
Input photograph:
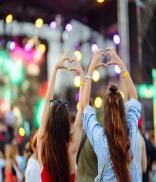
{"type": "Point", "coordinates": [55, 143]}
{"type": "Point", "coordinates": [117, 133]}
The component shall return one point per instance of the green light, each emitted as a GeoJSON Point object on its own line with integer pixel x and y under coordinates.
{"type": "Point", "coordinates": [3, 59]}
{"type": "Point", "coordinates": [154, 74]}
{"type": "Point", "coordinates": [17, 72]}
{"type": "Point", "coordinates": [3, 55]}
{"type": "Point", "coordinates": [27, 128]}
{"type": "Point", "coordinates": [6, 94]}
{"type": "Point", "coordinates": [146, 91]}
{"type": "Point", "coordinates": [142, 90]}
{"type": "Point", "coordinates": [38, 111]}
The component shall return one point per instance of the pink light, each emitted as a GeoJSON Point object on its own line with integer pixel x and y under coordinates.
{"type": "Point", "coordinates": [116, 39]}
{"type": "Point", "coordinates": [68, 27]}
{"type": "Point", "coordinates": [117, 69]}
{"type": "Point", "coordinates": [27, 47]}
{"type": "Point", "coordinates": [53, 25]}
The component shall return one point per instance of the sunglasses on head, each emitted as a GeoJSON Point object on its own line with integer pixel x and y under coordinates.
{"type": "Point", "coordinates": [61, 102]}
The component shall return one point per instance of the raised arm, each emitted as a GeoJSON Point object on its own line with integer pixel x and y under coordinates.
{"type": "Point", "coordinates": [94, 64]}
{"type": "Point", "coordinates": [50, 95]}
{"type": "Point", "coordinates": [78, 128]}
{"type": "Point", "coordinates": [125, 75]}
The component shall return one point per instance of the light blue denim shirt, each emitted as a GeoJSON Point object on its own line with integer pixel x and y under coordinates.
{"type": "Point", "coordinates": [97, 138]}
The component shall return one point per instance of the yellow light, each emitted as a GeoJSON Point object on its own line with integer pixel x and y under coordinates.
{"type": "Point", "coordinates": [21, 132]}
{"type": "Point", "coordinates": [96, 76]}
{"type": "Point", "coordinates": [100, 1]}
{"type": "Point", "coordinates": [78, 55]}
{"type": "Point", "coordinates": [77, 81]}
{"type": "Point", "coordinates": [149, 93]}
{"type": "Point", "coordinates": [77, 106]}
{"type": "Point", "coordinates": [42, 48]}
{"type": "Point", "coordinates": [39, 23]}
{"type": "Point", "coordinates": [98, 102]}
{"type": "Point", "coordinates": [9, 18]}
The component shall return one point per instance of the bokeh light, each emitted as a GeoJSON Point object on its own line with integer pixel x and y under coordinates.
{"type": "Point", "coordinates": [28, 47]}
{"type": "Point", "coordinates": [53, 25]}
{"type": "Point", "coordinates": [21, 132]}
{"type": "Point", "coordinates": [18, 114]}
{"type": "Point", "coordinates": [42, 48]}
{"type": "Point", "coordinates": [117, 69]}
{"type": "Point", "coordinates": [11, 45]}
{"type": "Point", "coordinates": [100, 1]}
{"type": "Point", "coordinates": [33, 69]}
{"type": "Point", "coordinates": [96, 76]}
{"type": "Point", "coordinates": [38, 110]}
{"type": "Point", "coordinates": [94, 47]}
{"type": "Point", "coordinates": [39, 23]}
{"type": "Point", "coordinates": [77, 106]}
{"type": "Point", "coordinates": [98, 102]}
{"type": "Point", "coordinates": [116, 39]}
{"type": "Point", "coordinates": [77, 81]}
{"type": "Point", "coordinates": [9, 18]}
{"type": "Point", "coordinates": [68, 27]}
{"type": "Point", "coordinates": [78, 55]}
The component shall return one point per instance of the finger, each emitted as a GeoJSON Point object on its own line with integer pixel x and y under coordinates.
{"type": "Point", "coordinates": [66, 59]}
{"type": "Point", "coordinates": [109, 48]}
{"type": "Point", "coordinates": [73, 69]}
{"type": "Point", "coordinates": [111, 63]}
{"type": "Point", "coordinates": [64, 67]}
{"type": "Point", "coordinates": [101, 65]}
{"type": "Point", "coordinates": [73, 61]}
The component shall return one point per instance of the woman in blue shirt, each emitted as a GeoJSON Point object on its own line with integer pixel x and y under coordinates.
{"type": "Point", "coordinates": [115, 142]}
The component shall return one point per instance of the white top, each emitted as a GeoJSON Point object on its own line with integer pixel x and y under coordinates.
{"type": "Point", "coordinates": [32, 172]}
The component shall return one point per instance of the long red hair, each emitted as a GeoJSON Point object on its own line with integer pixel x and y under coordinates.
{"type": "Point", "coordinates": [117, 133]}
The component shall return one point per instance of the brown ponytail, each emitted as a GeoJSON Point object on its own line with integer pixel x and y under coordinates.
{"type": "Point", "coordinates": [117, 133]}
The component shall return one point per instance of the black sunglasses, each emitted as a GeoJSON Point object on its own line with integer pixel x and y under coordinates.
{"type": "Point", "coordinates": [61, 102]}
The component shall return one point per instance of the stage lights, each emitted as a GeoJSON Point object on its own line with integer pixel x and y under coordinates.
{"type": "Point", "coordinates": [96, 76]}
{"type": "Point", "coordinates": [77, 81]}
{"type": "Point", "coordinates": [100, 1]}
{"type": "Point", "coordinates": [68, 27]}
{"type": "Point", "coordinates": [98, 102]}
{"type": "Point", "coordinates": [11, 45]}
{"type": "Point", "coordinates": [78, 55]}
{"type": "Point", "coordinates": [117, 69]}
{"type": "Point", "coordinates": [116, 39]}
{"type": "Point", "coordinates": [21, 132]}
{"type": "Point", "coordinates": [39, 22]}
{"type": "Point", "coordinates": [94, 47]}
{"type": "Point", "coordinates": [42, 48]}
{"type": "Point", "coordinates": [53, 25]}
{"type": "Point", "coordinates": [9, 18]}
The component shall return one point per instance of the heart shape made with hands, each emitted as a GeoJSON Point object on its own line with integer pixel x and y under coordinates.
{"type": "Point", "coordinates": [70, 64]}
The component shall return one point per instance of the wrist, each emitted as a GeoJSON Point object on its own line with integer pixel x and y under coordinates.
{"type": "Point", "coordinates": [122, 66]}
{"type": "Point", "coordinates": [81, 73]}
{"type": "Point", "coordinates": [56, 67]}
{"type": "Point", "coordinates": [91, 69]}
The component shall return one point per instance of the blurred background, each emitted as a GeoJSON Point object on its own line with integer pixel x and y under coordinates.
{"type": "Point", "coordinates": [34, 34]}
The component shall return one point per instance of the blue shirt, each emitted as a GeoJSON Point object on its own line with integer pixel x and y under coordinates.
{"type": "Point", "coordinates": [97, 138]}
